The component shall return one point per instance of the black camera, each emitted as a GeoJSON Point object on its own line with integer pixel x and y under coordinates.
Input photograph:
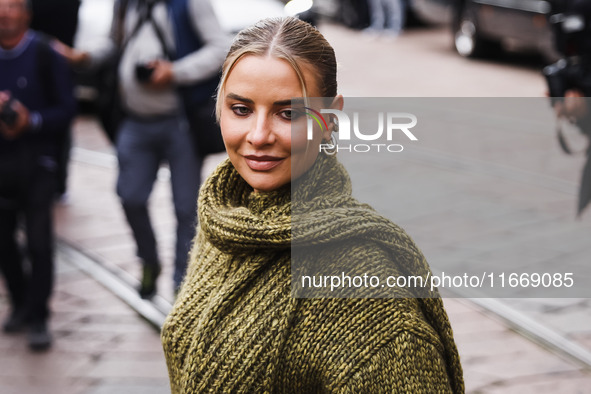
{"type": "Point", "coordinates": [143, 73]}
{"type": "Point", "coordinates": [567, 74]}
{"type": "Point", "coordinates": [8, 115]}
{"type": "Point", "coordinates": [572, 36]}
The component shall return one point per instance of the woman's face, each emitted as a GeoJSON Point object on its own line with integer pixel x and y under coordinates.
{"type": "Point", "coordinates": [256, 121]}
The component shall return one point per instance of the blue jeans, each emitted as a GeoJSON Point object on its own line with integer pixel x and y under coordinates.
{"type": "Point", "coordinates": [387, 15]}
{"type": "Point", "coordinates": [142, 146]}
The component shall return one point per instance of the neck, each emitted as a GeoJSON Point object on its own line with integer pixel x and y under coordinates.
{"type": "Point", "coordinates": [12, 41]}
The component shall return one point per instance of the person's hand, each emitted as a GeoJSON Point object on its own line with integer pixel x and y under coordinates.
{"type": "Point", "coordinates": [573, 106]}
{"type": "Point", "coordinates": [21, 124]}
{"type": "Point", "coordinates": [162, 76]}
{"type": "Point", "coordinates": [73, 56]}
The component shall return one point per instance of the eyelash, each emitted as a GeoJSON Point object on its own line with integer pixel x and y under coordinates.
{"type": "Point", "coordinates": [237, 109]}
{"type": "Point", "coordinates": [242, 110]}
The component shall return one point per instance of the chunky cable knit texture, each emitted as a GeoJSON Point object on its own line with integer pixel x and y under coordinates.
{"type": "Point", "coordinates": [236, 328]}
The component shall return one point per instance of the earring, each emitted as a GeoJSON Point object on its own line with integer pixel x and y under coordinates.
{"type": "Point", "coordinates": [331, 147]}
{"type": "Point", "coordinates": [335, 122]}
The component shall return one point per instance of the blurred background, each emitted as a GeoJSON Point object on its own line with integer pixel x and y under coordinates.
{"type": "Point", "coordinates": [106, 338]}
{"type": "Point", "coordinates": [506, 33]}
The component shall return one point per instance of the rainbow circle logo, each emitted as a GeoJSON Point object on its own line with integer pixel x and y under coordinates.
{"type": "Point", "coordinates": [317, 117]}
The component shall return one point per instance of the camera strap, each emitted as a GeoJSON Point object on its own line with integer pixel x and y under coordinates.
{"type": "Point", "coordinates": [143, 16]}
{"type": "Point", "coordinates": [167, 51]}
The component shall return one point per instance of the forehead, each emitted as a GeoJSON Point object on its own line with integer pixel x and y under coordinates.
{"type": "Point", "coordinates": [271, 74]}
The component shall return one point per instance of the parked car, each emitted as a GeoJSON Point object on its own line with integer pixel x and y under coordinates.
{"type": "Point", "coordinates": [481, 26]}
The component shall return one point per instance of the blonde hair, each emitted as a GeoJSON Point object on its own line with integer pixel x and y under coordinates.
{"type": "Point", "coordinates": [289, 39]}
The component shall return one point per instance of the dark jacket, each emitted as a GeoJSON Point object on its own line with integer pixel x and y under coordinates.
{"type": "Point", "coordinates": [41, 79]}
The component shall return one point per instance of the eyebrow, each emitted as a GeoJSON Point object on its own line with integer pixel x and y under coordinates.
{"type": "Point", "coordinates": [234, 96]}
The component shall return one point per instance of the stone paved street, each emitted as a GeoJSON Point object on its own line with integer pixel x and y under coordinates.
{"type": "Point", "coordinates": [101, 345]}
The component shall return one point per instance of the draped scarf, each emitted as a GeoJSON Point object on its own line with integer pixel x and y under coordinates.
{"type": "Point", "coordinates": [234, 312]}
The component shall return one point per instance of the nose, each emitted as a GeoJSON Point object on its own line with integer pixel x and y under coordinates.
{"type": "Point", "coordinates": [261, 132]}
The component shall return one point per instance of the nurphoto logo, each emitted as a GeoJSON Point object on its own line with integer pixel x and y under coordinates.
{"type": "Point", "coordinates": [389, 125]}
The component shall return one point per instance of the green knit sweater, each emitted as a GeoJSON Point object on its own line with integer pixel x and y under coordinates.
{"type": "Point", "coordinates": [236, 328]}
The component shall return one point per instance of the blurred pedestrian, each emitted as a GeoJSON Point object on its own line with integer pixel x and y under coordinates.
{"type": "Point", "coordinates": [569, 79]}
{"type": "Point", "coordinates": [36, 106]}
{"type": "Point", "coordinates": [58, 19]}
{"type": "Point", "coordinates": [155, 129]}
{"type": "Point", "coordinates": [386, 16]}
{"type": "Point", "coordinates": [236, 325]}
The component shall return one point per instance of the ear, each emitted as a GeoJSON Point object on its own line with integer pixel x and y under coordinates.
{"type": "Point", "coordinates": [338, 102]}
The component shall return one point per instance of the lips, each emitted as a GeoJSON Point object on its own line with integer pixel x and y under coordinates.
{"type": "Point", "coordinates": [263, 162]}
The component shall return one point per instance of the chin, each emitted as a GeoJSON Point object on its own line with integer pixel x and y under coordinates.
{"type": "Point", "coordinates": [262, 186]}
{"type": "Point", "coordinates": [265, 181]}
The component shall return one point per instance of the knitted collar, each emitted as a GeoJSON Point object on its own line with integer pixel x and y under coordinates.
{"type": "Point", "coordinates": [236, 219]}
{"type": "Point", "coordinates": [316, 209]}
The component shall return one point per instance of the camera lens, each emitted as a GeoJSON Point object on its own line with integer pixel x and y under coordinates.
{"type": "Point", "coordinates": [8, 115]}
{"type": "Point", "coordinates": [143, 73]}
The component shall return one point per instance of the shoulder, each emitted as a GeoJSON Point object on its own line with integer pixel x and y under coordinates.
{"type": "Point", "coordinates": [42, 44]}
{"type": "Point", "coordinates": [40, 39]}
{"type": "Point", "coordinates": [343, 341]}
{"type": "Point", "coordinates": [371, 321]}
{"type": "Point", "coordinates": [36, 48]}
{"type": "Point", "coordinates": [379, 265]}
{"type": "Point", "coordinates": [409, 364]}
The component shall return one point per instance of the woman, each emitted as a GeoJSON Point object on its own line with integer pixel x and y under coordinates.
{"type": "Point", "coordinates": [235, 326]}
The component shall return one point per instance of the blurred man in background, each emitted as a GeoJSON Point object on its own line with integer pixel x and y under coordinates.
{"type": "Point", "coordinates": [36, 106]}
{"type": "Point", "coordinates": [569, 79]}
{"type": "Point", "coordinates": [162, 47]}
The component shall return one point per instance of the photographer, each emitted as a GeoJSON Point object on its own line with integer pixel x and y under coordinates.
{"type": "Point", "coordinates": [569, 79]}
{"type": "Point", "coordinates": [36, 105]}
{"type": "Point", "coordinates": [145, 34]}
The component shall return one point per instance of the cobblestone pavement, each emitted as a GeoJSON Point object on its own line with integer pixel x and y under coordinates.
{"type": "Point", "coordinates": [102, 346]}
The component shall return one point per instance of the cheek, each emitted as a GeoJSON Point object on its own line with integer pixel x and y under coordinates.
{"type": "Point", "coordinates": [299, 138]}
{"type": "Point", "coordinates": [230, 133]}
{"type": "Point", "coordinates": [304, 151]}
{"type": "Point", "coordinates": [299, 135]}
{"type": "Point", "coordinates": [298, 143]}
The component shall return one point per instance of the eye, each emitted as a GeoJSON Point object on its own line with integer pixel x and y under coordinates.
{"type": "Point", "coordinates": [240, 110]}
{"type": "Point", "coordinates": [290, 114]}
{"type": "Point", "coordinates": [286, 114]}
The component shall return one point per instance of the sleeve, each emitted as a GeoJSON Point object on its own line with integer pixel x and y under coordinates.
{"type": "Point", "coordinates": [409, 364]}
{"type": "Point", "coordinates": [56, 117]}
{"type": "Point", "coordinates": [205, 62]}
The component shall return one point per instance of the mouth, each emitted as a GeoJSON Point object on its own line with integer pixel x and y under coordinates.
{"type": "Point", "coordinates": [263, 162]}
